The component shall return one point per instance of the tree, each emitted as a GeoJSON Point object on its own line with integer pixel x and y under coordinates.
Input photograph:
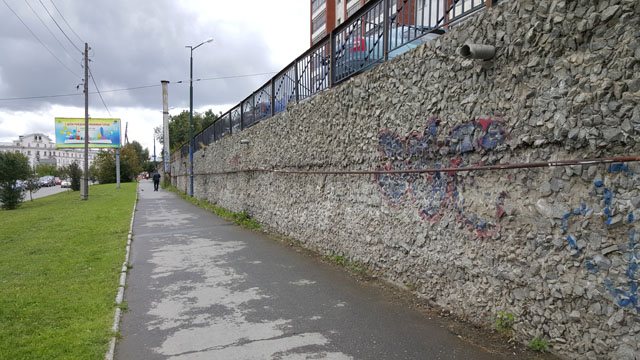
{"type": "Point", "coordinates": [179, 126]}
{"type": "Point", "coordinates": [13, 167]}
{"type": "Point", "coordinates": [148, 166]}
{"type": "Point", "coordinates": [208, 119]}
{"type": "Point", "coordinates": [74, 173]}
{"type": "Point", "coordinates": [129, 165]}
{"type": "Point", "coordinates": [46, 169]}
{"type": "Point", "coordinates": [104, 166]}
{"type": "Point", "coordinates": [142, 155]}
{"type": "Point", "coordinates": [31, 184]}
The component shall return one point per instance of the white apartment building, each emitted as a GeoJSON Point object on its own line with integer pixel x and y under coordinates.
{"type": "Point", "coordinates": [40, 149]}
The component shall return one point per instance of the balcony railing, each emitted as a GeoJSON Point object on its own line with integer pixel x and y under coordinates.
{"type": "Point", "coordinates": [380, 30]}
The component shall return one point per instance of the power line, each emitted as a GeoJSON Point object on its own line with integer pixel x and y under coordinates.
{"type": "Point", "coordinates": [227, 77]}
{"type": "Point", "coordinates": [58, 25]}
{"type": "Point", "coordinates": [40, 41]}
{"type": "Point", "coordinates": [133, 88]}
{"type": "Point", "coordinates": [99, 94]}
{"type": "Point", "coordinates": [65, 21]}
{"type": "Point", "coordinates": [40, 97]}
{"type": "Point", "coordinates": [47, 27]}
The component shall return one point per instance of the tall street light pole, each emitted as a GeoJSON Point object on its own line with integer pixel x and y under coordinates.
{"type": "Point", "coordinates": [191, 112]}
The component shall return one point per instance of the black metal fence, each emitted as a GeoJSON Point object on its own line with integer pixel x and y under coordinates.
{"type": "Point", "coordinates": [380, 30]}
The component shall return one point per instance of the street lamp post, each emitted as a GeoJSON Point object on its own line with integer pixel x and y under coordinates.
{"type": "Point", "coordinates": [191, 111]}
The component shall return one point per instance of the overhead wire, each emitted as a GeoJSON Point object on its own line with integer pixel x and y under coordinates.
{"type": "Point", "coordinates": [65, 21]}
{"type": "Point", "coordinates": [48, 29]}
{"type": "Point", "coordinates": [40, 41]}
{"type": "Point", "coordinates": [58, 25]}
{"type": "Point", "coordinates": [227, 77]}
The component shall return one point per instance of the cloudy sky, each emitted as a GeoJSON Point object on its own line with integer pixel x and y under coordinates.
{"type": "Point", "coordinates": [137, 44]}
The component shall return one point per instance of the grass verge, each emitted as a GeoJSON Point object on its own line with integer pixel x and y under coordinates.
{"type": "Point", "coordinates": [59, 271]}
{"type": "Point", "coordinates": [240, 219]}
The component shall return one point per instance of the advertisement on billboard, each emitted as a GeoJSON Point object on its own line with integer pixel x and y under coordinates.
{"type": "Point", "coordinates": [103, 133]}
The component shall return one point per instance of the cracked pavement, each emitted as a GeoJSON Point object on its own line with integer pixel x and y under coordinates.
{"type": "Point", "coordinates": [203, 288]}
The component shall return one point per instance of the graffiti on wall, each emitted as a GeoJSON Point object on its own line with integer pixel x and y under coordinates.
{"type": "Point", "coordinates": [623, 288]}
{"type": "Point", "coordinates": [435, 194]}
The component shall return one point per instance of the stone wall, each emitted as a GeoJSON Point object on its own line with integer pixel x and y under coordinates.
{"type": "Point", "coordinates": [557, 247]}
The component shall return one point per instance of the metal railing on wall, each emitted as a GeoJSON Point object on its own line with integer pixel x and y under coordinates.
{"type": "Point", "coordinates": [380, 30]}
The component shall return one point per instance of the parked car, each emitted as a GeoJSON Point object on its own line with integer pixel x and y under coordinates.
{"type": "Point", "coordinates": [57, 180]}
{"type": "Point", "coordinates": [65, 183]}
{"type": "Point", "coordinates": [46, 181]}
{"type": "Point", "coordinates": [19, 185]}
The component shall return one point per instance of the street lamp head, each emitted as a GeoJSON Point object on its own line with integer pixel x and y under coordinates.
{"type": "Point", "coordinates": [202, 43]}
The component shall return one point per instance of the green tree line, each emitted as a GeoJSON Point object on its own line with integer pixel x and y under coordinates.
{"type": "Point", "coordinates": [179, 127]}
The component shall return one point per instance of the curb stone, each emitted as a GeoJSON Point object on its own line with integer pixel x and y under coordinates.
{"type": "Point", "coordinates": [123, 280]}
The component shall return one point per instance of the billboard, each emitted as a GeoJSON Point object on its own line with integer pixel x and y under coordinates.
{"type": "Point", "coordinates": [103, 133]}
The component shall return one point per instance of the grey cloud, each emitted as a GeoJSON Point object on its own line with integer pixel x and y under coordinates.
{"type": "Point", "coordinates": [134, 43]}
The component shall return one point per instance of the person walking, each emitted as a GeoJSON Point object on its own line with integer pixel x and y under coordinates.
{"type": "Point", "coordinates": [156, 181]}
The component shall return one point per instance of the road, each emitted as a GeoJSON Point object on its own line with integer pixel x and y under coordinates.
{"type": "Point", "coordinates": [45, 191]}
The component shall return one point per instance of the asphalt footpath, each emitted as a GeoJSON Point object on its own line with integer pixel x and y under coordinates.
{"type": "Point", "coordinates": [203, 288]}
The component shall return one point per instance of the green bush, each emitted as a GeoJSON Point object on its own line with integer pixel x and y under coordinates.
{"type": "Point", "coordinates": [10, 197]}
{"type": "Point", "coordinates": [74, 173]}
{"type": "Point", "coordinates": [538, 344]}
{"type": "Point", "coordinates": [504, 322]}
{"type": "Point", "coordinates": [13, 167]}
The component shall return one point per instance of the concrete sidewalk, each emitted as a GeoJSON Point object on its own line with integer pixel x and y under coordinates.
{"type": "Point", "coordinates": [202, 288]}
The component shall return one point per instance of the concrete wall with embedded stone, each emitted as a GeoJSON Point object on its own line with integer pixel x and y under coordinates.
{"type": "Point", "coordinates": [557, 247]}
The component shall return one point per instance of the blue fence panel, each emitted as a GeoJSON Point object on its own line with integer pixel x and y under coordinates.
{"type": "Point", "coordinates": [208, 135]}
{"type": "Point", "coordinates": [360, 44]}
{"type": "Point", "coordinates": [284, 89]}
{"type": "Point", "coordinates": [314, 70]}
{"type": "Point", "coordinates": [236, 119]}
{"type": "Point", "coordinates": [248, 116]}
{"type": "Point", "coordinates": [262, 98]}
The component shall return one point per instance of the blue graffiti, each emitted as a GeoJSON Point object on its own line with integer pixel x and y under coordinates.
{"type": "Point", "coordinates": [625, 295]}
{"type": "Point", "coordinates": [619, 167]}
{"type": "Point", "coordinates": [434, 192]}
{"type": "Point", "coordinates": [391, 145]}
{"type": "Point", "coordinates": [582, 210]}
{"type": "Point", "coordinates": [573, 243]}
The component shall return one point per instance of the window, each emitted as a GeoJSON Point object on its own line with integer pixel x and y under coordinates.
{"type": "Point", "coordinates": [315, 4]}
{"type": "Point", "coordinates": [320, 21]}
{"type": "Point", "coordinates": [29, 152]}
{"type": "Point", "coordinates": [353, 9]}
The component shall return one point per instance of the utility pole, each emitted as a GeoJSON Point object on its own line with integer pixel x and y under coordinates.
{"type": "Point", "coordinates": [155, 163]}
{"type": "Point", "coordinates": [165, 125]}
{"type": "Point", "coordinates": [84, 194]}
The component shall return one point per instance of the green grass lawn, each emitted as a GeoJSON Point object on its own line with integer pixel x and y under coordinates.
{"type": "Point", "coordinates": [60, 263]}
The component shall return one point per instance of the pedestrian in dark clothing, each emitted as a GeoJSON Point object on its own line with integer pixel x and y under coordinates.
{"type": "Point", "coordinates": [156, 181]}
